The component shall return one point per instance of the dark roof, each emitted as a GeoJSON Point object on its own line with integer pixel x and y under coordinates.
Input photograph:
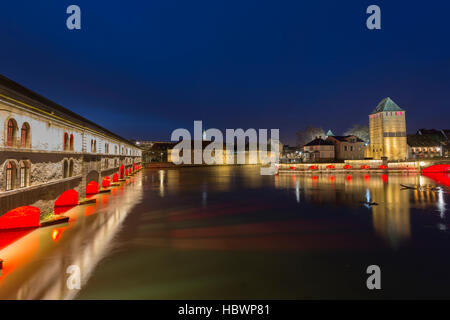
{"type": "Point", "coordinates": [437, 134]}
{"type": "Point", "coordinates": [387, 105]}
{"type": "Point", "coordinates": [345, 138]}
{"type": "Point", "coordinates": [319, 142]}
{"type": "Point", "coordinates": [18, 92]}
{"type": "Point", "coordinates": [446, 132]}
{"type": "Point", "coordinates": [417, 140]}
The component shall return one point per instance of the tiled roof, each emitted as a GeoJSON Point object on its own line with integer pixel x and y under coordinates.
{"type": "Point", "coordinates": [319, 142]}
{"type": "Point", "coordinates": [387, 105]}
{"type": "Point", "coordinates": [345, 138]}
{"type": "Point", "coordinates": [16, 91]}
{"type": "Point", "coordinates": [417, 140]}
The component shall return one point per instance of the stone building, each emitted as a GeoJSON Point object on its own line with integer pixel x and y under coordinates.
{"type": "Point", "coordinates": [440, 136]}
{"type": "Point", "coordinates": [319, 150]}
{"type": "Point", "coordinates": [347, 147]}
{"type": "Point", "coordinates": [46, 149]}
{"type": "Point", "coordinates": [423, 146]}
{"type": "Point", "coordinates": [387, 128]}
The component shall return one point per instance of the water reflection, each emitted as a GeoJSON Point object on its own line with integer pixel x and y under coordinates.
{"type": "Point", "coordinates": [389, 203]}
{"type": "Point", "coordinates": [230, 227]}
{"type": "Point", "coordinates": [35, 265]}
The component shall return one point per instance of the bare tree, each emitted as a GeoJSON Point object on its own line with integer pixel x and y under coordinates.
{"type": "Point", "coordinates": [309, 134]}
{"type": "Point", "coordinates": [360, 131]}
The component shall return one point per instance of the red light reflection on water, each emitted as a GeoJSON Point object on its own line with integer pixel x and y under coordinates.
{"type": "Point", "coordinates": [439, 177]}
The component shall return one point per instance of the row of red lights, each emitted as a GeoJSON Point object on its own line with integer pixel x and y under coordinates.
{"type": "Point", "coordinates": [347, 166]}
{"type": "Point", "coordinates": [387, 114]}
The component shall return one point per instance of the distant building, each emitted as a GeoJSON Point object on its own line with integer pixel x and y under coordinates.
{"type": "Point", "coordinates": [233, 156]}
{"type": "Point", "coordinates": [319, 150]}
{"type": "Point", "coordinates": [347, 147]}
{"type": "Point", "coordinates": [387, 128]}
{"type": "Point", "coordinates": [442, 137]}
{"type": "Point", "coordinates": [154, 151]}
{"type": "Point", "coordinates": [423, 146]}
{"type": "Point", "coordinates": [291, 154]}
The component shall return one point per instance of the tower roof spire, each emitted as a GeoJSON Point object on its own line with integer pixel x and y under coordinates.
{"type": "Point", "coordinates": [387, 105]}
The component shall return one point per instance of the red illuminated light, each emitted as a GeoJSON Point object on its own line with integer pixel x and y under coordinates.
{"type": "Point", "coordinates": [437, 168]}
{"type": "Point", "coordinates": [122, 170]}
{"type": "Point", "coordinates": [22, 217]}
{"type": "Point", "coordinates": [106, 182]}
{"type": "Point", "coordinates": [67, 199]}
{"type": "Point", "coordinates": [92, 188]}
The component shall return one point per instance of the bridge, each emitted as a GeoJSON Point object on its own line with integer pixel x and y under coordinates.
{"type": "Point", "coordinates": [51, 156]}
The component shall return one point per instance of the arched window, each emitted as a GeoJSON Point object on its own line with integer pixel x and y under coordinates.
{"type": "Point", "coordinates": [65, 169]}
{"type": "Point", "coordinates": [92, 145]}
{"type": "Point", "coordinates": [24, 174]}
{"type": "Point", "coordinates": [71, 168]}
{"type": "Point", "coordinates": [10, 176]}
{"type": "Point", "coordinates": [66, 141]}
{"type": "Point", "coordinates": [25, 136]}
{"type": "Point", "coordinates": [71, 142]}
{"type": "Point", "coordinates": [106, 163]}
{"type": "Point", "coordinates": [12, 128]}
{"type": "Point", "coordinates": [95, 145]}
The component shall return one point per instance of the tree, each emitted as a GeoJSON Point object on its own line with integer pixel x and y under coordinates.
{"type": "Point", "coordinates": [360, 131]}
{"type": "Point", "coordinates": [309, 134]}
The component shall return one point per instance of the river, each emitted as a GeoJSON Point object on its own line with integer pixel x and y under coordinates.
{"type": "Point", "coordinates": [229, 233]}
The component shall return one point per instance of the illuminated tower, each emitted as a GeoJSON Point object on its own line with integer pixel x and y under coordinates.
{"type": "Point", "coordinates": [388, 132]}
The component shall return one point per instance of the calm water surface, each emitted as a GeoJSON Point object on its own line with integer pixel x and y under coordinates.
{"type": "Point", "coordinates": [230, 233]}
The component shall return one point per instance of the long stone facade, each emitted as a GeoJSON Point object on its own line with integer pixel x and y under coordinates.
{"type": "Point", "coordinates": [45, 149]}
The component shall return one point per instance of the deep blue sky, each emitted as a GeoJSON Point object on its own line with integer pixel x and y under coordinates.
{"type": "Point", "coordinates": [145, 68]}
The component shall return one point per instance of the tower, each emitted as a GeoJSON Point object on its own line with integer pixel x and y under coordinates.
{"type": "Point", "coordinates": [387, 128]}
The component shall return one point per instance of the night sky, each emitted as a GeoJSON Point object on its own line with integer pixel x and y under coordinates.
{"type": "Point", "coordinates": [145, 68]}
